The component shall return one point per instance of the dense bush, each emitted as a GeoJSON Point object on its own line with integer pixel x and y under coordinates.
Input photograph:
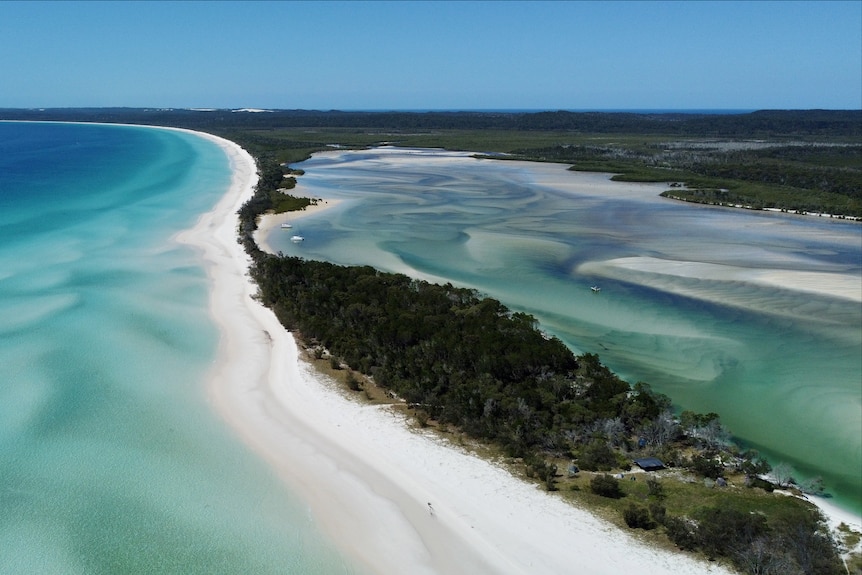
{"type": "Point", "coordinates": [538, 468]}
{"type": "Point", "coordinates": [682, 532]}
{"type": "Point", "coordinates": [793, 545]}
{"type": "Point", "coordinates": [638, 517]}
{"type": "Point", "coordinates": [706, 466]}
{"type": "Point", "coordinates": [606, 486]}
{"type": "Point", "coordinates": [658, 512]}
{"type": "Point", "coordinates": [597, 456]}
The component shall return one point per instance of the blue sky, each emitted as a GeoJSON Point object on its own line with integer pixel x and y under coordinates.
{"type": "Point", "coordinates": [432, 55]}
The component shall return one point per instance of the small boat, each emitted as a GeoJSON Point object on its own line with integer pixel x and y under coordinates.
{"type": "Point", "coordinates": [297, 239]}
{"type": "Point", "coordinates": [286, 226]}
{"type": "Point", "coordinates": [596, 289]}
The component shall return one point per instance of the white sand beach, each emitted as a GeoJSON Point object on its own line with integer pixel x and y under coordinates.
{"type": "Point", "coordinates": [366, 477]}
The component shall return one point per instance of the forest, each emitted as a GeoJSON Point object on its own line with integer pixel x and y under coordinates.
{"type": "Point", "coordinates": [831, 124]}
{"type": "Point", "coordinates": [797, 177]}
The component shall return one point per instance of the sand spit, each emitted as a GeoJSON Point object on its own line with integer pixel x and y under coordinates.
{"type": "Point", "coordinates": [845, 286]}
{"type": "Point", "coordinates": [366, 477]}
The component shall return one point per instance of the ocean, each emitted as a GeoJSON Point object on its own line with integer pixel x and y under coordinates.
{"type": "Point", "coordinates": [756, 316]}
{"type": "Point", "coordinates": [111, 460]}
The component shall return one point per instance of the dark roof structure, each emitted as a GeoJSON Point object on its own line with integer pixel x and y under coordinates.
{"type": "Point", "coordinates": [649, 463]}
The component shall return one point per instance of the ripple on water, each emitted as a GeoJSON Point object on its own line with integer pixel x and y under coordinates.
{"type": "Point", "coordinates": [726, 311]}
{"type": "Point", "coordinates": [29, 313]}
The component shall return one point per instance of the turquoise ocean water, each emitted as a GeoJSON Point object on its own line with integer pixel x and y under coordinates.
{"type": "Point", "coordinates": [110, 460]}
{"type": "Point", "coordinates": [782, 367]}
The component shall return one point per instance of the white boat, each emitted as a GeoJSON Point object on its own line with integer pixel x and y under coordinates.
{"type": "Point", "coordinates": [285, 226]}
{"type": "Point", "coordinates": [297, 239]}
{"type": "Point", "coordinates": [596, 289]}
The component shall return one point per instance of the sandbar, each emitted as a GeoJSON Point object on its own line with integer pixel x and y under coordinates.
{"type": "Point", "coordinates": [838, 285]}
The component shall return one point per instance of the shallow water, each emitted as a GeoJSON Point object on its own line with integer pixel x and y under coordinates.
{"type": "Point", "coordinates": [110, 459]}
{"type": "Point", "coordinates": [756, 316]}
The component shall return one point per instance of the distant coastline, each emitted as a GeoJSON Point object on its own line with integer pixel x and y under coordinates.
{"type": "Point", "coordinates": [643, 111]}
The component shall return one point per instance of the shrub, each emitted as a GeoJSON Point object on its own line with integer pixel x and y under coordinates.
{"type": "Point", "coordinates": [606, 486]}
{"type": "Point", "coordinates": [597, 456]}
{"type": "Point", "coordinates": [422, 418]}
{"type": "Point", "coordinates": [658, 512]}
{"type": "Point", "coordinates": [668, 454]}
{"type": "Point", "coordinates": [353, 381]}
{"type": "Point", "coordinates": [752, 465]}
{"type": "Point", "coordinates": [551, 479]}
{"type": "Point", "coordinates": [706, 466]}
{"type": "Point", "coordinates": [656, 489]}
{"type": "Point", "coordinates": [812, 486]}
{"type": "Point", "coordinates": [540, 469]}
{"type": "Point", "coordinates": [638, 517]}
{"type": "Point", "coordinates": [762, 483]}
{"type": "Point", "coordinates": [722, 530]}
{"type": "Point", "coordinates": [681, 532]}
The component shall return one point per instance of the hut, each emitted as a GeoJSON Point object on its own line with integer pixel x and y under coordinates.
{"type": "Point", "coordinates": [649, 463]}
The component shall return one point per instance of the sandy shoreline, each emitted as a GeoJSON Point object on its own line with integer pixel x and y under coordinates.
{"type": "Point", "coordinates": [366, 478]}
{"type": "Point", "coordinates": [268, 222]}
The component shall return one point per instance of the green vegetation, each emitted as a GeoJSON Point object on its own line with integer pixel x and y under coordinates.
{"type": "Point", "coordinates": [606, 486]}
{"type": "Point", "coordinates": [469, 367]}
{"type": "Point", "coordinates": [812, 177]}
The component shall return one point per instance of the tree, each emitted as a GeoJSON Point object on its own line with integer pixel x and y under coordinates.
{"type": "Point", "coordinates": [597, 456]}
{"type": "Point", "coordinates": [614, 431]}
{"type": "Point", "coordinates": [783, 474]}
{"type": "Point", "coordinates": [752, 464]}
{"type": "Point", "coordinates": [644, 405]}
{"type": "Point", "coordinates": [706, 466]}
{"type": "Point", "coordinates": [812, 486]}
{"type": "Point", "coordinates": [712, 433]}
{"type": "Point", "coordinates": [764, 557]}
{"type": "Point", "coordinates": [606, 486]}
{"type": "Point", "coordinates": [660, 430]}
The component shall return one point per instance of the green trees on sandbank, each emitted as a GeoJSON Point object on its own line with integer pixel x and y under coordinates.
{"type": "Point", "coordinates": [813, 177]}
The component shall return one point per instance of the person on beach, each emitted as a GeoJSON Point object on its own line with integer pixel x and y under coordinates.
{"type": "Point", "coordinates": [430, 509]}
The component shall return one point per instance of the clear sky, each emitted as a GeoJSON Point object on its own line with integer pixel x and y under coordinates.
{"type": "Point", "coordinates": [432, 55]}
